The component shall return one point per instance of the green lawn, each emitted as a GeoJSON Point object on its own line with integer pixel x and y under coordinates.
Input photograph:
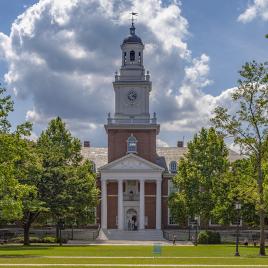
{"type": "Point", "coordinates": [129, 256]}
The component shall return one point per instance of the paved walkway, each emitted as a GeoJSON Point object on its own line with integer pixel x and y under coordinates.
{"type": "Point", "coordinates": [128, 242]}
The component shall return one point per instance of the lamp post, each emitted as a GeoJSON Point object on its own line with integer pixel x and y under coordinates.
{"type": "Point", "coordinates": [237, 208]}
{"type": "Point", "coordinates": [196, 229]}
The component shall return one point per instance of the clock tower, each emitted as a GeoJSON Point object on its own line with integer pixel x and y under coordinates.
{"type": "Point", "coordinates": [132, 130]}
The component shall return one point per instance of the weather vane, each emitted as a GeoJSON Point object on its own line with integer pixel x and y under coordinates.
{"type": "Point", "coordinates": [133, 14]}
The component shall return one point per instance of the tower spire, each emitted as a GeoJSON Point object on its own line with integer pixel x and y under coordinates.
{"type": "Point", "coordinates": [132, 28]}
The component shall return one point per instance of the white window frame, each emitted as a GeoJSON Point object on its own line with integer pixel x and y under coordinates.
{"type": "Point", "coordinates": [132, 139]}
{"type": "Point", "coordinates": [240, 223]}
{"type": "Point", "coordinates": [171, 165]}
{"type": "Point", "coordinates": [213, 224]}
{"type": "Point", "coordinates": [169, 192]}
{"type": "Point", "coordinates": [198, 220]}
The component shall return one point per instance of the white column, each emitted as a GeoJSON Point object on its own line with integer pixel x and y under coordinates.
{"type": "Point", "coordinates": [103, 204]}
{"type": "Point", "coordinates": [141, 204]}
{"type": "Point", "coordinates": [120, 218]}
{"type": "Point", "coordinates": [158, 204]}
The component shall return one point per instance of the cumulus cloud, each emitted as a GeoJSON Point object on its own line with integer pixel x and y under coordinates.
{"type": "Point", "coordinates": [258, 8]}
{"type": "Point", "coordinates": [161, 143]}
{"type": "Point", "coordinates": [62, 55]}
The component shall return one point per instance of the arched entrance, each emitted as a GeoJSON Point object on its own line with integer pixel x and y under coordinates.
{"type": "Point", "coordinates": [131, 222]}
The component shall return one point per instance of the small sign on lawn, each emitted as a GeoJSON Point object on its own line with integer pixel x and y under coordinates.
{"type": "Point", "coordinates": [157, 249]}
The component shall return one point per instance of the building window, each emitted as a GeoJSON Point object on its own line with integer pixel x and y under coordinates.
{"type": "Point", "coordinates": [213, 222]}
{"type": "Point", "coordinates": [171, 220]}
{"type": "Point", "coordinates": [93, 167]}
{"type": "Point", "coordinates": [171, 189]}
{"type": "Point", "coordinates": [132, 55]}
{"type": "Point", "coordinates": [139, 57]}
{"type": "Point", "coordinates": [132, 144]}
{"type": "Point", "coordinates": [173, 166]}
{"type": "Point", "coordinates": [125, 58]}
{"type": "Point", "coordinates": [234, 223]}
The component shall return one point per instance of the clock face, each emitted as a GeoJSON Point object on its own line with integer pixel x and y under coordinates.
{"type": "Point", "coordinates": [132, 95]}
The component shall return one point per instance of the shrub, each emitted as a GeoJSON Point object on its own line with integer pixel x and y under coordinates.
{"type": "Point", "coordinates": [49, 239]}
{"type": "Point", "coordinates": [214, 238]}
{"type": "Point", "coordinates": [35, 239]}
{"type": "Point", "coordinates": [17, 239]}
{"type": "Point", "coordinates": [20, 239]}
{"type": "Point", "coordinates": [202, 237]}
{"type": "Point", "coordinates": [208, 237]}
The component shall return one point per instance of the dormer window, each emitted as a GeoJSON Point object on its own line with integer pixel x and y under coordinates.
{"type": "Point", "coordinates": [132, 144]}
{"type": "Point", "coordinates": [173, 166]}
{"type": "Point", "coordinates": [132, 55]}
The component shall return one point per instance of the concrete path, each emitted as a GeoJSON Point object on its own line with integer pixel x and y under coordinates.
{"type": "Point", "coordinates": [127, 242]}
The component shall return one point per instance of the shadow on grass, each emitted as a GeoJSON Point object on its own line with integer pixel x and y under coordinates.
{"type": "Point", "coordinates": [19, 256]}
{"type": "Point", "coordinates": [22, 247]}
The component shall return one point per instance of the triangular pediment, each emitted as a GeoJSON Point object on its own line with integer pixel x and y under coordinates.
{"type": "Point", "coordinates": [131, 162]}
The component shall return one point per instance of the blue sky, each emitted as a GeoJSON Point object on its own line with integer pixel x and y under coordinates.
{"type": "Point", "coordinates": [218, 42]}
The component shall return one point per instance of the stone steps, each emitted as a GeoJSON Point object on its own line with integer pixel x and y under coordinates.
{"type": "Point", "coordinates": [140, 235]}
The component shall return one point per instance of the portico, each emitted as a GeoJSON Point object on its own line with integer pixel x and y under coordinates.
{"type": "Point", "coordinates": [131, 168]}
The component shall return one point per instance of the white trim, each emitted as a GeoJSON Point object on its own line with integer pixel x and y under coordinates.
{"type": "Point", "coordinates": [158, 214]}
{"type": "Point", "coordinates": [151, 166]}
{"type": "Point", "coordinates": [172, 224]}
{"type": "Point", "coordinates": [240, 223]}
{"type": "Point", "coordinates": [169, 186]}
{"type": "Point", "coordinates": [172, 164]}
{"type": "Point", "coordinates": [213, 224]}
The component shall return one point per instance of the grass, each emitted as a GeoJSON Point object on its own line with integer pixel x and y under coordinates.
{"type": "Point", "coordinates": [80, 256]}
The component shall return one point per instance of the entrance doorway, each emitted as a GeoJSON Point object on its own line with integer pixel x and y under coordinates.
{"type": "Point", "coordinates": [131, 219]}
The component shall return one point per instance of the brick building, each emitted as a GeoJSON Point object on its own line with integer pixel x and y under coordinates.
{"type": "Point", "coordinates": [134, 175]}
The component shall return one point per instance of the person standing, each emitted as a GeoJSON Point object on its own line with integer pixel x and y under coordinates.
{"type": "Point", "coordinates": [174, 240]}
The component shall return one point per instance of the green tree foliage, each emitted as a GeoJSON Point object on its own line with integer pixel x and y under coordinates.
{"type": "Point", "coordinates": [67, 186]}
{"type": "Point", "coordinates": [248, 125]}
{"type": "Point", "coordinates": [13, 151]}
{"type": "Point", "coordinates": [238, 184]}
{"type": "Point", "coordinates": [199, 173]}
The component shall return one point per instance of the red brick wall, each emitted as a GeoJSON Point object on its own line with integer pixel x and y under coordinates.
{"type": "Point", "coordinates": [164, 212]}
{"type": "Point", "coordinates": [150, 188]}
{"type": "Point", "coordinates": [164, 202]}
{"type": "Point", "coordinates": [117, 143]}
{"type": "Point", "coordinates": [112, 188]}
{"type": "Point", "coordinates": [111, 212]}
{"type": "Point", "coordinates": [150, 205]}
{"type": "Point", "coordinates": [112, 204]}
{"type": "Point", "coordinates": [150, 211]}
{"type": "Point", "coordinates": [165, 186]}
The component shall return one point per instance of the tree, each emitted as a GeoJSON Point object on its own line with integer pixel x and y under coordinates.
{"type": "Point", "coordinates": [31, 170]}
{"type": "Point", "coordinates": [237, 184]}
{"type": "Point", "coordinates": [248, 125]}
{"type": "Point", "coordinates": [12, 151]}
{"type": "Point", "coordinates": [67, 185]}
{"type": "Point", "coordinates": [199, 173]}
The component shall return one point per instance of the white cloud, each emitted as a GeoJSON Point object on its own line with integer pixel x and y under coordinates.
{"type": "Point", "coordinates": [62, 56]}
{"type": "Point", "coordinates": [161, 143]}
{"type": "Point", "coordinates": [258, 8]}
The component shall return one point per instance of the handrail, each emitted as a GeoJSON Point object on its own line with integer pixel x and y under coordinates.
{"type": "Point", "coordinates": [152, 121]}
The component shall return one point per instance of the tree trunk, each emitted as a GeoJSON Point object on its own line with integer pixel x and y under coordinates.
{"type": "Point", "coordinates": [262, 211]}
{"type": "Point", "coordinates": [26, 227]}
{"type": "Point", "coordinates": [57, 232]}
{"type": "Point", "coordinates": [262, 234]}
